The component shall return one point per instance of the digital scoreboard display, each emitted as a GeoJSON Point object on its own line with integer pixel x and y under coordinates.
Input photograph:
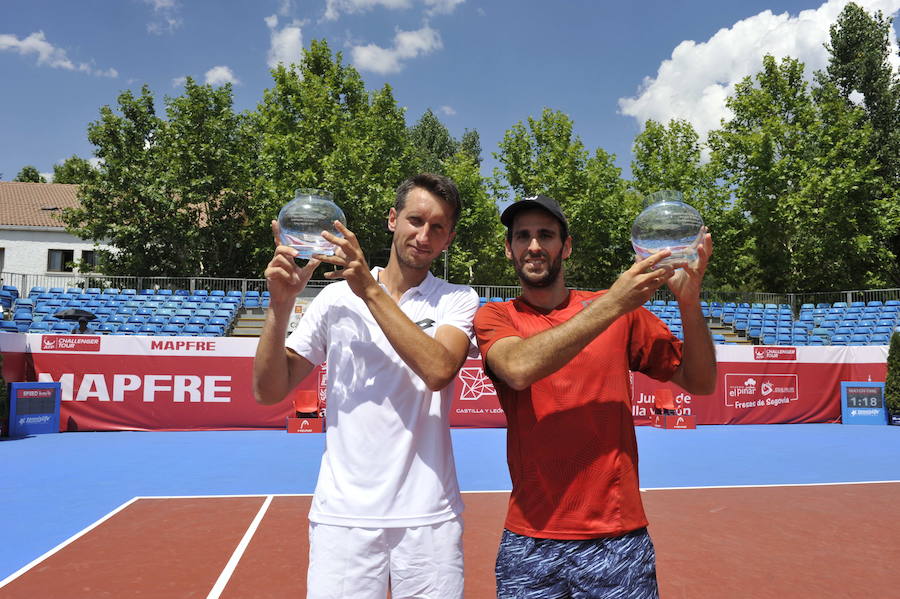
{"type": "Point", "coordinates": [862, 402]}
{"type": "Point", "coordinates": [33, 408]}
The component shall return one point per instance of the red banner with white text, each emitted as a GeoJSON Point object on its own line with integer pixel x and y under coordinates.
{"type": "Point", "coordinates": [190, 383]}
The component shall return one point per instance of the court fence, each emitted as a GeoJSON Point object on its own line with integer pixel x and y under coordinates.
{"type": "Point", "coordinates": [71, 280]}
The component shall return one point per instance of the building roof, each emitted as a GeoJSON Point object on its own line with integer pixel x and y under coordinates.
{"type": "Point", "coordinates": [35, 204]}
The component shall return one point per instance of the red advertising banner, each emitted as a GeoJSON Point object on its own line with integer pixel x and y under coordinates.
{"type": "Point", "coordinates": [188, 383]}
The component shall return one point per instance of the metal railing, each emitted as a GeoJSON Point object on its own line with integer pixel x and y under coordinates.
{"type": "Point", "coordinates": [24, 283]}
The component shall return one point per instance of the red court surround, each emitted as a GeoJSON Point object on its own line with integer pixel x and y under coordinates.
{"type": "Point", "coordinates": [189, 383]}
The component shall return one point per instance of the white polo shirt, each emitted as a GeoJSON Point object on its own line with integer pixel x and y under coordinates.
{"type": "Point", "coordinates": [388, 458]}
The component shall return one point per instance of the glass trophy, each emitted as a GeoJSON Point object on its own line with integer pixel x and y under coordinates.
{"type": "Point", "coordinates": [303, 219]}
{"type": "Point", "coordinates": [667, 223]}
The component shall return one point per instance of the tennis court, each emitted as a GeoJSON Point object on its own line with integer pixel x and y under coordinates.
{"type": "Point", "coordinates": [735, 511]}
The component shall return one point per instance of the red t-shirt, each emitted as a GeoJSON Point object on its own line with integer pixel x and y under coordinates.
{"type": "Point", "coordinates": [571, 446]}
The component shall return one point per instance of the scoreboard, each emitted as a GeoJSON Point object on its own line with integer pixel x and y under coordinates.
{"type": "Point", "coordinates": [33, 408]}
{"type": "Point", "coordinates": [862, 402]}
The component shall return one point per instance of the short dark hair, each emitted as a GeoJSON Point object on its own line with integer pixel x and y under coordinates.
{"type": "Point", "coordinates": [441, 186]}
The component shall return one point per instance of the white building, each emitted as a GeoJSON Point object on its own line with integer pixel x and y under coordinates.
{"type": "Point", "coordinates": [33, 239]}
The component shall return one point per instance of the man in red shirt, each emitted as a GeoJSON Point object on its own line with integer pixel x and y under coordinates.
{"type": "Point", "coordinates": [560, 361]}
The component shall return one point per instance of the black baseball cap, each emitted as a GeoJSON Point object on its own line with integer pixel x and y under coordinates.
{"type": "Point", "coordinates": [538, 201]}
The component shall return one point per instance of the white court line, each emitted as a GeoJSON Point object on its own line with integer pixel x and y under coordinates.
{"type": "Point", "coordinates": [862, 482]}
{"type": "Point", "coordinates": [225, 576]}
{"type": "Point", "coordinates": [68, 541]}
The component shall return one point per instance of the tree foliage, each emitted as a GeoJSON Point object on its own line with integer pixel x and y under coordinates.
{"type": "Point", "coordinates": [859, 63]}
{"type": "Point", "coordinates": [432, 143]}
{"type": "Point", "coordinates": [670, 157]}
{"type": "Point", "coordinates": [319, 127]}
{"type": "Point", "coordinates": [170, 194]}
{"type": "Point", "coordinates": [73, 170]}
{"type": "Point", "coordinates": [892, 381]}
{"type": "Point", "coordinates": [474, 256]}
{"type": "Point", "coordinates": [29, 174]}
{"type": "Point", "coordinates": [546, 157]}
{"type": "Point", "coordinates": [796, 162]}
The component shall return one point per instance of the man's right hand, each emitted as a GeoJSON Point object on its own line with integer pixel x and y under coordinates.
{"type": "Point", "coordinates": [285, 280]}
{"type": "Point", "coordinates": [638, 284]}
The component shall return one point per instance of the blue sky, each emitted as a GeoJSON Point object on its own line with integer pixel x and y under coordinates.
{"type": "Point", "coordinates": [479, 65]}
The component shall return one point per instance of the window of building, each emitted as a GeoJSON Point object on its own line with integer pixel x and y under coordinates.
{"type": "Point", "coordinates": [2, 258]}
{"type": "Point", "coordinates": [60, 260]}
{"type": "Point", "coordinates": [89, 259]}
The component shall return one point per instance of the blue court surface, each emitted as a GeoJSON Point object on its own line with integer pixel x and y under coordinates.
{"type": "Point", "coordinates": [55, 485]}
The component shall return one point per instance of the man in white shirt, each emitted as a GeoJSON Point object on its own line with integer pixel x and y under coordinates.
{"type": "Point", "coordinates": [387, 506]}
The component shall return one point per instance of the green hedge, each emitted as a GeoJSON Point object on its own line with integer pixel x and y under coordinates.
{"type": "Point", "coordinates": [892, 382]}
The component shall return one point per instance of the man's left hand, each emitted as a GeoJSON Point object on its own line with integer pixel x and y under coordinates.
{"type": "Point", "coordinates": [349, 257]}
{"type": "Point", "coordinates": [687, 281]}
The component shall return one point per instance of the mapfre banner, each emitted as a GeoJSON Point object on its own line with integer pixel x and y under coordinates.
{"type": "Point", "coordinates": [188, 383]}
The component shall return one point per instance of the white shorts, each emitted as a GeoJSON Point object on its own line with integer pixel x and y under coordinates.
{"type": "Point", "coordinates": [421, 562]}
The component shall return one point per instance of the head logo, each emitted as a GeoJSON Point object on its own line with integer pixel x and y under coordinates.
{"type": "Point", "coordinates": [475, 384]}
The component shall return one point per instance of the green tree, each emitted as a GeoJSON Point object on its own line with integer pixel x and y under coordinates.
{"type": "Point", "coordinates": [29, 174]}
{"type": "Point", "coordinates": [319, 127]}
{"type": "Point", "coordinates": [207, 152]}
{"type": "Point", "coordinates": [432, 142]}
{"type": "Point", "coordinates": [670, 157]}
{"type": "Point", "coordinates": [170, 196]}
{"type": "Point", "coordinates": [859, 52]}
{"type": "Point", "coordinates": [797, 163]}
{"type": "Point", "coordinates": [473, 256]}
{"type": "Point", "coordinates": [73, 170]}
{"type": "Point", "coordinates": [892, 381]}
{"type": "Point", "coordinates": [470, 143]}
{"type": "Point", "coordinates": [546, 157]}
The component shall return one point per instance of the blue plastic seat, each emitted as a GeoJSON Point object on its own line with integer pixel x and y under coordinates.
{"type": "Point", "coordinates": [192, 329]}
{"type": "Point", "coordinates": [170, 329]}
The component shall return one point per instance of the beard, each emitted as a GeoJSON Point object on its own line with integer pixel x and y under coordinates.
{"type": "Point", "coordinates": [554, 268]}
{"type": "Point", "coordinates": [410, 260]}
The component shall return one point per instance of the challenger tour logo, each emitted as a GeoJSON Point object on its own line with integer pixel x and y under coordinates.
{"type": "Point", "coordinates": [70, 343]}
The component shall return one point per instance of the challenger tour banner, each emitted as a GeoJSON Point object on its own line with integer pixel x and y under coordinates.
{"type": "Point", "coordinates": [188, 383]}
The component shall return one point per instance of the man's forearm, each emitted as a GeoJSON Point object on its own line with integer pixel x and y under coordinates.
{"type": "Point", "coordinates": [271, 369]}
{"type": "Point", "coordinates": [523, 361]}
{"type": "Point", "coordinates": [698, 364]}
{"type": "Point", "coordinates": [426, 356]}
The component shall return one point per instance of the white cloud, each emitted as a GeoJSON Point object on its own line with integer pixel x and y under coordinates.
{"type": "Point", "coordinates": [48, 54]}
{"type": "Point", "coordinates": [442, 7]}
{"type": "Point", "coordinates": [285, 7]}
{"type": "Point", "coordinates": [335, 8]}
{"type": "Point", "coordinates": [447, 110]}
{"type": "Point", "coordinates": [695, 81]}
{"type": "Point", "coordinates": [179, 81]}
{"type": "Point", "coordinates": [285, 44]}
{"type": "Point", "coordinates": [166, 16]}
{"type": "Point", "coordinates": [220, 75]}
{"type": "Point", "coordinates": [407, 45]}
